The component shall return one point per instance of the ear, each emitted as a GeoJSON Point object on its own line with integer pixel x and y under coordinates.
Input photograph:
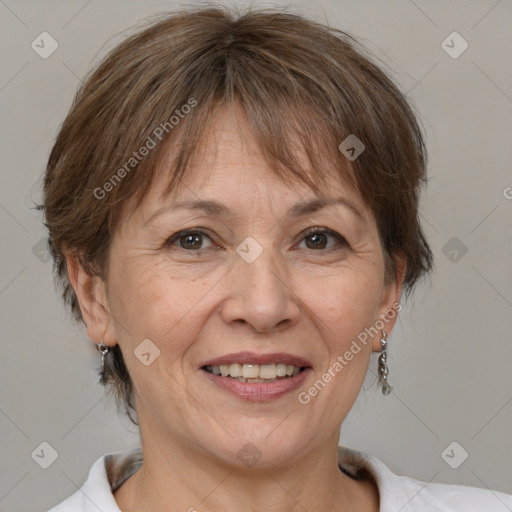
{"type": "Point", "coordinates": [391, 293]}
{"type": "Point", "coordinates": [92, 297]}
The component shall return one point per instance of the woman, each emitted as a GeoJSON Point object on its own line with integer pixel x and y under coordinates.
{"type": "Point", "coordinates": [232, 205]}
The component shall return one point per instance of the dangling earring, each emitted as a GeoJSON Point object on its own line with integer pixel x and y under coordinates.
{"type": "Point", "coordinates": [103, 349]}
{"type": "Point", "coordinates": [383, 367]}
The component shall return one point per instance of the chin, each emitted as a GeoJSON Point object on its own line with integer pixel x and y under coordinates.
{"type": "Point", "coordinates": [265, 449]}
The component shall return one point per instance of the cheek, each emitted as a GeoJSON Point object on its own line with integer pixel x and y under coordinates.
{"type": "Point", "coordinates": [347, 307]}
{"type": "Point", "coordinates": [347, 302]}
{"type": "Point", "coordinates": [149, 304]}
{"type": "Point", "coordinates": [146, 293]}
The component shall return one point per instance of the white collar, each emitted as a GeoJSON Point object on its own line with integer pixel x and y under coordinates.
{"type": "Point", "coordinates": [396, 492]}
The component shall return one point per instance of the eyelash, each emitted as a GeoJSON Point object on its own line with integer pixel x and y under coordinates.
{"type": "Point", "coordinates": [310, 231]}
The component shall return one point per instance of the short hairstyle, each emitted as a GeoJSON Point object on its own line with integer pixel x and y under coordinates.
{"type": "Point", "coordinates": [304, 87]}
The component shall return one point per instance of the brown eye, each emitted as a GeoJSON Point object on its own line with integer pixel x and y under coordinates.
{"type": "Point", "coordinates": [188, 240]}
{"type": "Point", "coordinates": [318, 238]}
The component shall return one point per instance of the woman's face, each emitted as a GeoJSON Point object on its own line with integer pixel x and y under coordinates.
{"type": "Point", "coordinates": [252, 287]}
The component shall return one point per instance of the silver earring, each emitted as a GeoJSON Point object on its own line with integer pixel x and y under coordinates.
{"type": "Point", "coordinates": [103, 349]}
{"type": "Point", "coordinates": [383, 367]}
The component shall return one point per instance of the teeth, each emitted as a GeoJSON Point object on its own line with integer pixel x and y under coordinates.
{"type": "Point", "coordinates": [281, 370]}
{"type": "Point", "coordinates": [250, 371]}
{"type": "Point", "coordinates": [268, 371]}
{"type": "Point", "coordinates": [254, 372]}
{"type": "Point", "coordinates": [235, 370]}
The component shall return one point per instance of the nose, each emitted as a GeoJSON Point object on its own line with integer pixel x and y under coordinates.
{"type": "Point", "coordinates": [261, 295]}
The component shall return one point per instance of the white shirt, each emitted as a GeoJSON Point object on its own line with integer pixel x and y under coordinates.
{"type": "Point", "coordinates": [397, 493]}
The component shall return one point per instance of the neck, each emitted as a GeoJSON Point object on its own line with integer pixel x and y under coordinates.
{"type": "Point", "coordinates": [180, 477]}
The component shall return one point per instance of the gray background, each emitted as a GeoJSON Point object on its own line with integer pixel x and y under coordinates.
{"type": "Point", "coordinates": [450, 354]}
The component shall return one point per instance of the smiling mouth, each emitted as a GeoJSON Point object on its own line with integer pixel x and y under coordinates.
{"type": "Point", "coordinates": [255, 373]}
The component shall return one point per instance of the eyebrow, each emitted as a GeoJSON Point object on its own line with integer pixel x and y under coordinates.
{"type": "Point", "coordinates": [216, 209]}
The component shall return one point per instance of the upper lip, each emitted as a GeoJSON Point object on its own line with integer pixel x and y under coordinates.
{"type": "Point", "coordinates": [254, 358]}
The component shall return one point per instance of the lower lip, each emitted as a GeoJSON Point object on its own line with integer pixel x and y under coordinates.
{"type": "Point", "coordinates": [258, 391]}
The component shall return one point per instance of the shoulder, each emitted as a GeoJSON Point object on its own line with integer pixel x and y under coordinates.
{"type": "Point", "coordinates": [105, 475]}
{"type": "Point", "coordinates": [471, 498]}
{"type": "Point", "coordinates": [410, 495]}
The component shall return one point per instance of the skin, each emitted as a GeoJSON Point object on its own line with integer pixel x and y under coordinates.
{"type": "Point", "coordinates": [197, 305]}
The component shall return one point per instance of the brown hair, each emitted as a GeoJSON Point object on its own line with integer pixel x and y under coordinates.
{"type": "Point", "coordinates": [301, 84]}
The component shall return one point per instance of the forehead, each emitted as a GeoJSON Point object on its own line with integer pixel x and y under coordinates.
{"type": "Point", "coordinates": [229, 167]}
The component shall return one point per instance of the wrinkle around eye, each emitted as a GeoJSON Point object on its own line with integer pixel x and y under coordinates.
{"type": "Point", "coordinates": [336, 248]}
